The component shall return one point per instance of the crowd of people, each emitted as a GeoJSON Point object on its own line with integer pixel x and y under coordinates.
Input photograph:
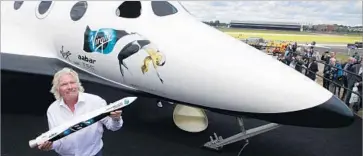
{"type": "Point", "coordinates": [342, 78]}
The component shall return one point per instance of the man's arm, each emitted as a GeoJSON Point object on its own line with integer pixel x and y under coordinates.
{"type": "Point", "coordinates": [110, 123]}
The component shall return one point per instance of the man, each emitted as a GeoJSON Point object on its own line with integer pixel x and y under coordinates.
{"type": "Point", "coordinates": [356, 57]}
{"type": "Point", "coordinates": [294, 47]}
{"type": "Point", "coordinates": [71, 101]}
{"type": "Point", "coordinates": [313, 69]}
{"type": "Point", "coordinates": [352, 79]}
{"type": "Point", "coordinates": [299, 64]}
{"type": "Point", "coordinates": [326, 72]}
{"type": "Point", "coordinates": [331, 73]}
{"type": "Point", "coordinates": [345, 66]}
{"type": "Point", "coordinates": [337, 77]}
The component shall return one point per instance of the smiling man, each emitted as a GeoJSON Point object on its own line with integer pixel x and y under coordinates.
{"type": "Point", "coordinates": [71, 102]}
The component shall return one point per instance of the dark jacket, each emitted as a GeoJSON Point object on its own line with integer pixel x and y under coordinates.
{"type": "Point", "coordinates": [311, 73]}
{"type": "Point", "coordinates": [354, 69]}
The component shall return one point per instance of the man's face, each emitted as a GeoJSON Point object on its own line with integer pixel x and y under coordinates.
{"type": "Point", "coordinates": [68, 87]}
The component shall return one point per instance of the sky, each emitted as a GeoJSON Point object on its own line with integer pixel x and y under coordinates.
{"type": "Point", "coordinates": [347, 12]}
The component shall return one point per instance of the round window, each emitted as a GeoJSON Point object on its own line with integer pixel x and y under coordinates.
{"type": "Point", "coordinates": [78, 10]}
{"type": "Point", "coordinates": [18, 4]}
{"type": "Point", "coordinates": [43, 9]}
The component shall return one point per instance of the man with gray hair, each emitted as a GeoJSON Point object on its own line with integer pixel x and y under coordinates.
{"type": "Point", "coordinates": [71, 101]}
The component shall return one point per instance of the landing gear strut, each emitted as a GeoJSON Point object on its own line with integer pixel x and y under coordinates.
{"type": "Point", "coordinates": [218, 143]}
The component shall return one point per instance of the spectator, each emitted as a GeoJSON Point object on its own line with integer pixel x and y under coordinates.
{"type": "Point", "coordinates": [357, 57]}
{"type": "Point", "coordinates": [353, 78]}
{"type": "Point", "coordinates": [294, 47]}
{"type": "Point", "coordinates": [312, 69]}
{"type": "Point", "coordinates": [299, 64]}
{"type": "Point", "coordinates": [326, 57]}
{"type": "Point", "coordinates": [288, 58]}
{"type": "Point", "coordinates": [333, 55]}
{"type": "Point", "coordinates": [360, 93]}
{"type": "Point", "coordinates": [359, 87]}
{"type": "Point", "coordinates": [327, 68]}
{"type": "Point", "coordinates": [355, 101]}
{"type": "Point", "coordinates": [345, 66]}
{"type": "Point", "coordinates": [337, 77]}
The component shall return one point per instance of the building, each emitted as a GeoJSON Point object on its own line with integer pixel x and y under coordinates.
{"type": "Point", "coordinates": [266, 25]}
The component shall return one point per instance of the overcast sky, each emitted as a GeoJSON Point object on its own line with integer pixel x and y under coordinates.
{"type": "Point", "coordinates": [316, 12]}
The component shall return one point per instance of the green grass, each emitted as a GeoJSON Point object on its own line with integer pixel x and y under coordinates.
{"type": "Point", "coordinates": [300, 38]}
{"type": "Point", "coordinates": [278, 31]}
{"type": "Point", "coordinates": [260, 31]}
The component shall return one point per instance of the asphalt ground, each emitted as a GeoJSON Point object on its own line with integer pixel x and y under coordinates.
{"type": "Point", "coordinates": [339, 49]}
{"type": "Point", "coordinates": [149, 130]}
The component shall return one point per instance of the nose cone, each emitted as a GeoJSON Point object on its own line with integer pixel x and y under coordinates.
{"type": "Point", "coordinates": [331, 114]}
{"type": "Point", "coordinates": [208, 68]}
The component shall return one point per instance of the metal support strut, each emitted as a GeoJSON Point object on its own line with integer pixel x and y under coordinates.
{"type": "Point", "coordinates": [219, 142]}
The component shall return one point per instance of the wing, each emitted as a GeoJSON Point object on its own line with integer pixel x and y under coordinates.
{"type": "Point", "coordinates": [48, 67]}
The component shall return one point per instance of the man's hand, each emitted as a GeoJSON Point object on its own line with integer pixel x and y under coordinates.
{"type": "Point", "coordinates": [116, 115]}
{"type": "Point", "coordinates": [46, 146]}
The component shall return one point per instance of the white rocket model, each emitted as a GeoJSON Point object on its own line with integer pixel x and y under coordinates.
{"type": "Point", "coordinates": [80, 122]}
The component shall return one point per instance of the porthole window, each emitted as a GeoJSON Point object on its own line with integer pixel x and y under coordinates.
{"type": "Point", "coordinates": [43, 9]}
{"type": "Point", "coordinates": [18, 4]}
{"type": "Point", "coordinates": [78, 10]}
{"type": "Point", "coordinates": [129, 9]}
{"type": "Point", "coordinates": [163, 8]}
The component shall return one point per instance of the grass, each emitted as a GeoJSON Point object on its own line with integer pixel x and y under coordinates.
{"type": "Point", "coordinates": [260, 31]}
{"type": "Point", "coordinates": [300, 37]}
{"type": "Point", "coordinates": [278, 31]}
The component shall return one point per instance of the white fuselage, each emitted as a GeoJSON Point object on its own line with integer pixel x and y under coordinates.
{"type": "Point", "coordinates": [203, 66]}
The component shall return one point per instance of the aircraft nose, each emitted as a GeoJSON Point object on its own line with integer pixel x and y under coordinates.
{"type": "Point", "coordinates": [333, 113]}
{"type": "Point", "coordinates": [240, 79]}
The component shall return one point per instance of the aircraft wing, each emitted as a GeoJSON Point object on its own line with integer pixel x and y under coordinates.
{"type": "Point", "coordinates": [47, 67]}
{"type": "Point", "coordinates": [36, 55]}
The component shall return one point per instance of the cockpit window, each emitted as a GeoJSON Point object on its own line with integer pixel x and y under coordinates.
{"type": "Point", "coordinates": [78, 10]}
{"type": "Point", "coordinates": [44, 6]}
{"type": "Point", "coordinates": [163, 8]}
{"type": "Point", "coordinates": [129, 9]}
{"type": "Point", "coordinates": [18, 4]}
